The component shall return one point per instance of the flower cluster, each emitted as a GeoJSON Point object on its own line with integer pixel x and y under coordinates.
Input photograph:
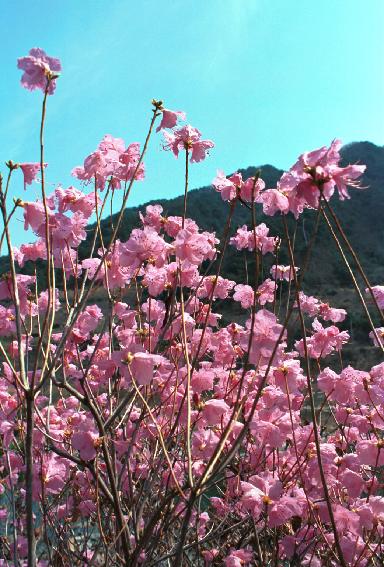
{"type": "Point", "coordinates": [140, 424]}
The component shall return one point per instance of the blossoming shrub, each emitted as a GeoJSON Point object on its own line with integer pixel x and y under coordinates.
{"type": "Point", "coordinates": [149, 433]}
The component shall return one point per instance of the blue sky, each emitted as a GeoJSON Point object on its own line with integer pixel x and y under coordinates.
{"type": "Point", "coordinates": [264, 79]}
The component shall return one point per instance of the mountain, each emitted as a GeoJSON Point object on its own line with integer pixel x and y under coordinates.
{"type": "Point", "coordinates": [362, 218]}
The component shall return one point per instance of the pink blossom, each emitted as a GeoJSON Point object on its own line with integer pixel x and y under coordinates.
{"type": "Point", "coordinates": [173, 225]}
{"type": "Point", "coordinates": [242, 239]}
{"type": "Point", "coordinates": [7, 321]}
{"type": "Point", "coordinates": [32, 252]}
{"type": "Point", "coordinates": [318, 171]}
{"type": "Point", "coordinates": [214, 410]}
{"type": "Point", "coordinates": [195, 247]}
{"type": "Point", "coordinates": [378, 336]}
{"type": "Point", "coordinates": [84, 442]}
{"type": "Point", "coordinates": [378, 292]}
{"type": "Point", "coordinates": [144, 245]}
{"type": "Point", "coordinates": [238, 558]}
{"type": "Point", "coordinates": [170, 118]}
{"type": "Point", "coordinates": [313, 307]}
{"type": "Point", "coordinates": [72, 199]}
{"type": "Point", "coordinates": [245, 238]}
{"type": "Point", "coordinates": [34, 216]}
{"type": "Point", "coordinates": [38, 67]}
{"type": "Point", "coordinates": [250, 189]}
{"type": "Point", "coordinates": [202, 380]}
{"type": "Point", "coordinates": [274, 201]}
{"type": "Point", "coordinates": [209, 555]}
{"type": "Point", "coordinates": [266, 292]}
{"type": "Point", "coordinates": [245, 295]}
{"type": "Point", "coordinates": [215, 287]}
{"type": "Point", "coordinates": [309, 304]}
{"type": "Point", "coordinates": [323, 341]}
{"type": "Point", "coordinates": [266, 332]}
{"type": "Point", "coordinates": [86, 323]}
{"type": "Point", "coordinates": [130, 167]}
{"type": "Point", "coordinates": [283, 272]}
{"type": "Point", "coordinates": [95, 167]}
{"type": "Point", "coordinates": [52, 474]}
{"type": "Point", "coordinates": [43, 300]}
{"type": "Point", "coordinates": [153, 217]}
{"type": "Point", "coordinates": [224, 186]}
{"type": "Point", "coordinates": [188, 138]}
{"type": "Point", "coordinates": [155, 279]}
{"type": "Point", "coordinates": [289, 505]}
{"type": "Point", "coordinates": [331, 314]}
{"type": "Point", "coordinates": [142, 366]}
{"type": "Point", "coordinates": [30, 172]}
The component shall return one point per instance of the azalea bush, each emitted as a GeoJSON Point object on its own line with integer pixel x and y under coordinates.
{"type": "Point", "coordinates": [149, 432]}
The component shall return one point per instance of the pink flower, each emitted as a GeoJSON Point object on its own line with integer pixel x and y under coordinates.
{"type": "Point", "coordinates": [111, 161]}
{"type": "Point", "coordinates": [274, 201]}
{"type": "Point", "coordinates": [38, 67]}
{"type": "Point", "coordinates": [226, 187]}
{"type": "Point", "coordinates": [144, 245]}
{"type": "Point", "coordinates": [95, 167]}
{"type": "Point", "coordinates": [72, 199]}
{"type": "Point", "coordinates": [84, 442]}
{"type": "Point", "coordinates": [34, 216]}
{"type": "Point", "coordinates": [30, 172]}
{"type": "Point", "coordinates": [309, 304]}
{"type": "Point", "coordinates": [244, 294]}
{"type": "Point", "coordinates": [86, 323]}
{"type": "Point", "coordinates": [312, 306]}
{"type": "Point", "coordinates": [242, 239]}
{"type": "Point", "coordinates": [209, 555]}
{"type": "Point", "coordinates": [283, 272]}
{"type": "Point", "coordinates": [214, 410]}
{"type": "Point", "coordinates": [331, 314]}
{"type": "Point", "coordinates": [188, 138]}
{"type": "Point", "coordinates": [266, 292]}
{"type": "Point", "coordinates": [43, 300]}
{"type": "Point", "coordinates": [378, 337]}
{"type": "Point", "coordinates": [378, 292]}
{"type": "Point", "coordinates": [202, 380]}
{"type": "Point", "coordinates": [215, 287]}
{"type": "Point", "coordinates": [142, 366]}
{"type": "Point", "coordinates": [323, 341]}
{"type": "Point", "coordinates": [170, 118]}
{"type": "Point", "coordinates": [238, 558]}
{"type": "Point", "coordinates": [234, 186]}
{"type": "Point", "coordinates": [130, 167]}
{"type": "Point", "coordinates": [153, 217]}
{"type": "Point", "coordinates": [266, 332]}
{"type": "Point", "coordinates": [250, 189]}
{"type": "Point", "coordinates": [30, 252]}
{"type": "Point", "coordinates": [370, 452]}
{"type": "Point", "coordinates": [112, 147]}
{"type": "Point", "coordinates": [195, 247]}
{"type": "Point", "coordinates": [66, 231]}
{"type": "Point", "coordinates": [245, 238]}
{"type": "Point", "coordinates": [155, 279]}
{"type": "Point", "coordinates": [286, 507]}
{"type": "Point", "coordinates": [313, 174]}
{"type": "Point", "coordinates": [52, 474]}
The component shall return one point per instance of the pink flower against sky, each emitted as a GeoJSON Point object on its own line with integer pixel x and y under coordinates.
{"type": "Point", "coordinates": [188, 138]}
{"type": "Point", "coordinates": [30, 172]}
{"type": "Point", "coordinates": [170, 118]}
{"type": "Point", "coordinates": [38, 67]}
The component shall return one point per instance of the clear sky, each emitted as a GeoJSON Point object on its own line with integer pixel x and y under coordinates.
{"type": "Point", "coordinates": [264, 79]}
